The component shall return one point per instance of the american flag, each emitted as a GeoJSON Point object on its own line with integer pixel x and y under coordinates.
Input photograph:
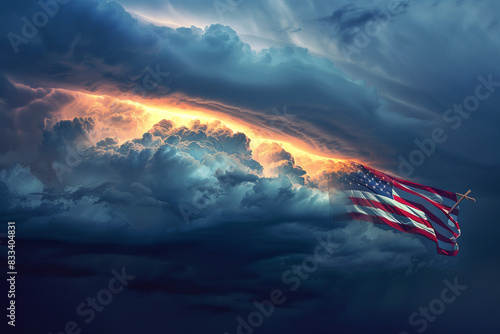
{"type": "Point", "coordinates": [406, 206]}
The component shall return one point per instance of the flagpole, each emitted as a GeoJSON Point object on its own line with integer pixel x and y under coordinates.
{"type": "Point", "coordinates": [467, 197]}
{"type": "Point", "coordinates": [462, 197]}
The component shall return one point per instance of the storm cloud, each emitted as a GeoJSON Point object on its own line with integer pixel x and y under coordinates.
{"type": "Point", "coordinates": [98, 175]}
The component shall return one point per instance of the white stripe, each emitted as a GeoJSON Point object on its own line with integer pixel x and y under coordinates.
{"type": "Point", "coordinates": [439, 229]}
{"type": "Point", "coordinates": [447, 246]}
{"type": "Point", "coordinates": [436, 198]}
{"type": "Point", "coordinates": [432, 196]}
{"type": "Point", "coordinates": [455, 222]}
{"type": "Point", "coordinates": [430, 207]}
{"type": "Point", "coordinates": [386, 200]}
{"type": "Point", "coordinates": [400, 220]}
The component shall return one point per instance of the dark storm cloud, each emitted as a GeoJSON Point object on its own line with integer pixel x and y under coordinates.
{"type": "Point", "coordinates": [97, 46]}
{"type": "Point", "coordinates": [15, 96]}
{"type": "Point", "coordinates": [425, 59]}
{"type": "Point", "coordinates": [348, 20]}
{"type": "Point", "coordinates": [119, 206]}
{"type": "Point", "coordinates": [351, 20]}
{"type": "Point", "coordinates": [23, 111]}
{"type": "Point", "coordinates": [143, 186]}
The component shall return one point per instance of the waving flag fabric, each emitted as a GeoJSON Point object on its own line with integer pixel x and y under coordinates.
{"type": "Point", "coordinates": [409, 207]}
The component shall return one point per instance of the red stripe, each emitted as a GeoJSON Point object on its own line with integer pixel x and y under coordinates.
{"type": "Point", "coordinates": [445, 207]}
{"type": "Point", "coordinates": [400, 227]}
{"type": "Point", "coordinates": [389, 208]}
{"type": "Point", "coordinates": [404, 228]}
{"type": "Point", "coordinates": [395, 210]}
{"type": "Point", "coordinates": [398, 183]}
{"type": "Point", "coordinates": [427, 212]}
{"type": "Point", "coordinates": [423, 208]}
{"type": "Point", "coordinates": [444, 193]}
{"type": "Point", "coordinates": [455, 211]}
{"type": "Point", "coordinates": [447, 252]}
{"type": "Point", "coordinates": [418, 205]}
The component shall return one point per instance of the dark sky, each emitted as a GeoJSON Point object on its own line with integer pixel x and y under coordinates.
{"type": "Point", "coordinates": [170, 160]}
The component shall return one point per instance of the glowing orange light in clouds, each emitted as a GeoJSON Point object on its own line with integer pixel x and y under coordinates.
{"type": "Point", "coordinates": [310, 162]}
{"type": "Point", "coordinates": [126, 119]}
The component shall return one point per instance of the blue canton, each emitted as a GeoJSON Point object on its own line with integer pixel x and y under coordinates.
{"type": "Point", "coordinates": [364, 180]}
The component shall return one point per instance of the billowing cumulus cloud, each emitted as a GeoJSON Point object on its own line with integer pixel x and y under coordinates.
{"type": "Point", "coordinates": [278, 161]}
{"type": "Point", "coordinates": [210, 67]}
{"type": "Point", "coordinates": [173, 177]}
{"type": "Point", "coordinates": [189, 193]}
{"type": "Point", "coordinates": [194, 191]}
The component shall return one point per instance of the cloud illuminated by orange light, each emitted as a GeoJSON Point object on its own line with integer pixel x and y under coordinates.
{"type": "Point", "coordinates": [126, 119]}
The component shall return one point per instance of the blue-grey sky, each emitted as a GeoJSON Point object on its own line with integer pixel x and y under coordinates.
{"type": "Point", "coordinates": [189, 142]}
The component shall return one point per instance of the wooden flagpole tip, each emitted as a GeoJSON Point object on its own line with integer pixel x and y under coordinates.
{"type": "Point", "coordinates": [462, 197]}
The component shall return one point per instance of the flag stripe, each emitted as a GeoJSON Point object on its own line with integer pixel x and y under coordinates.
{"type": "Point", "coordinates": [440, 197]}
{"type": "Point", "coordinates": [375, 216]}
{"type": "Point", "coordinates": [406, 206]}
{"type": "Point", "coordinates": [387, 204]}
{"type": "Point", "coordinates": [436, 214]}
{"type": "Point", "coordinates": [393, 222]}
{"type": "Point", "coordinates": [443, 193]}
{"type": "Point", "coordinates": [393, 207]}
{"type": "Point", "coordinates": [445, 202]}
{"type": "Point", "coordinates": [440, 231]}
{"type": "Point", "coordinates": [374, 197]}
{"type": "Point", "coordinates": [382, 211]}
